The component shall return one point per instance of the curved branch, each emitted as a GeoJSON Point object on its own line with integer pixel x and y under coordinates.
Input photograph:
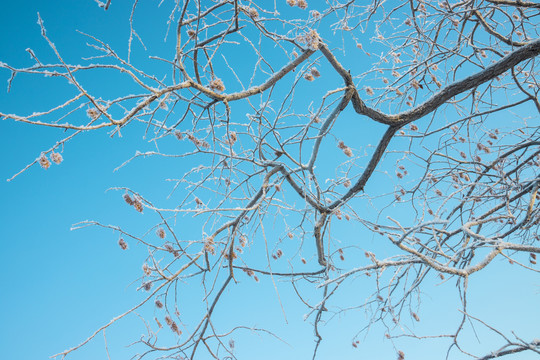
{"type": "Point", "coordinates": [517, 3]}
{"type": "Point", "coordinates": [491, 31]}
{"type": "Point", "coordinates": [532, 49]}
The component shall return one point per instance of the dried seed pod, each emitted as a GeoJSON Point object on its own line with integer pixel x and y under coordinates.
{"type": "Point", "coordinates": [92, 113]}
{"type": "Point", "coordinates": [217, 85]}
{"type": "Point", "coordinates": [168, 248]}
{"type": "Point", "coordinates": [147, 271]}
{"type": "Point", "coordinates": [128, 199]}
{"type": "Point", "coordinates": [253, 13]}
{"type": "Point", "coordinates": [309, 77]}
{"type": "Point", "coordinates": [138, 205]}
{"type": "Point", "coordinates": [147, 285]}
{"type": "Point", "coordinates": [232, 137]}
{"type": "Point", "coordinates": [44, 162]}
{"type": "Point", "coordinates": [56, 158]}
{"type": "Point", "coordinates": [347, 151]}
{"type": "Point", "coordinates": [302, 4]}
{"type": "Point", "coordinates": [160, 232]}
{"type": "Point", "coordinates": [123, 244]}
{"type": "Point", "coordinates": [315, 72]}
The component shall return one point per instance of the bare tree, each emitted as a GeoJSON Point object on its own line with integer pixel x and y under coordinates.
{"type": "Point", "coordinates": [448, 189]}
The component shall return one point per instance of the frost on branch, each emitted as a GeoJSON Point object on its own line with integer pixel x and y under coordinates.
{"type": "Point", "coordinates": [390, 146]}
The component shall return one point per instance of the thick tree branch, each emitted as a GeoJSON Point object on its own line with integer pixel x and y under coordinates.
{"type": "Point", "coordinates": [532, 49]}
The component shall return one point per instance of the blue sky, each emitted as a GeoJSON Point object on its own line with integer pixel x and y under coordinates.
{"type": "Point", "coordinates": [60, 285]}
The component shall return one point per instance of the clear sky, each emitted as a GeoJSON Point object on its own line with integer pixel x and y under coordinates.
{"type": "Point", "coordinates": [60, 285]}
